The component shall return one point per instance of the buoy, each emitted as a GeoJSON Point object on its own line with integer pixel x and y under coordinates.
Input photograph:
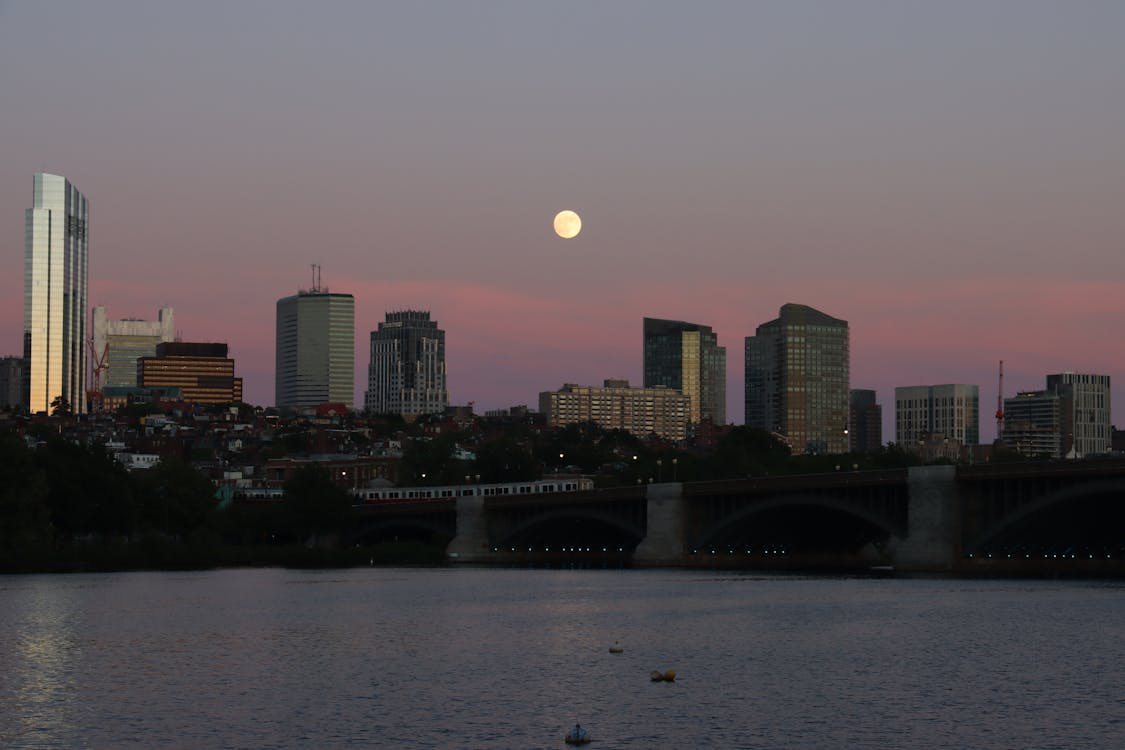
{"type": "Point", "coordinates": [656, 675]}
{"type": "Point", "coordinates": [616, 648]}
{"type": "Point", "coordinates": [670, 675]}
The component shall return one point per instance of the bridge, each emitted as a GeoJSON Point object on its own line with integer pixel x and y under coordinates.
{"type": "Point", "coordinates": [1032, 518]}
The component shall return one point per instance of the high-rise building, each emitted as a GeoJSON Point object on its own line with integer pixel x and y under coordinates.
{"type": "Point", "coordinates": [56, 256]}
{"type": "Point", "coordinates": [406, 374]}
{"type": "Point", "coordinates": [617, 406]}
{"type": "Point", "coordinates": [1090, 418]}
{"type": "Point", "coordinates": [1040, 423]}
{"type": "Point", "coordinates": [11, 383]}
{"type": "Point", "coordinates": [315, 350]}
{"type": "Point", "coordinates": [797, 369]}
{"type": "Point", "coordinates": [952, 411]}
{"type": "Point", "coordinates": [118, 344]}
{"type": "Point", "coordinates": [688, 358]}
{"type": "Point", "coordinates": [865, 422]}
{"type": "Point", "coordinates": [203, 372]}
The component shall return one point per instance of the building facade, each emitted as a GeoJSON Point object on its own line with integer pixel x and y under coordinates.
{"type": "Point", "coordinates": [687, 357]}
{"type": "Point", "coordinates": [797, 369]}
{"type": "Point", "coordinates": [118, 344]}
{"type": "Point", "coordinates": [11, 383]}
{"type": "Point", "coordinates": [203, 372]}
{"type": "Point", "coordinates": [952, 411]}
{"type": "Point", "coordinates": [406, 373]}
{"type": "Point", "coordinates": [56, 258]}
{"type": "Point", "coordinates": [1090, 412]}
{"type": "Point", "coordinates": [661, 411]}
{"type": "Point", "coordinates": [1039, 423]}
{"type": "Point", "coordinates": [315, 350]}
{"type": "Point", "coordinates": [865, 422]}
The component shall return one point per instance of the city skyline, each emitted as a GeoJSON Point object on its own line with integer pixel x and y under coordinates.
{"type": "Point", "coordinates": [947, 179]}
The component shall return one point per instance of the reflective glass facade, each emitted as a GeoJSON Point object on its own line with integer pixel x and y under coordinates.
{"type": "Point", "coordinates": [56, 262]}
{"type": "Point", "coordinates": [687, 357]}
{"type": "Point", "coordinates": [315, 350]}
{"type": "Point", "coordinates": [796, 381]}
{"type": "Point", "coordinates": [952, 411]}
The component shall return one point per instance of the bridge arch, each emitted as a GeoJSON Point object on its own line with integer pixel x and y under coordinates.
{"type": "Point", "coordinates": [572, 524]}
{"type": "Point", "coordinates": [1093, 511]}
{"type": "Point", "coordinates": [842, 523]}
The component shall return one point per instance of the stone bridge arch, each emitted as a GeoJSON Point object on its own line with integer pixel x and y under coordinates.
{"type": "Point", "coordinates": [847, 518]}
{"type": "Point", "coordinates": [558, 524]}
{"type": "Point", "coordinates": [1093, 511]}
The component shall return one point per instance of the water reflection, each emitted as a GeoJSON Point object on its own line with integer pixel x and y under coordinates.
{"type": "Point", "coordinates": [486, 658]}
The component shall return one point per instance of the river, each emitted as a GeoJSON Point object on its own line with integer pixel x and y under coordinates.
{"type": "Point", "coordinates": [487, 658]}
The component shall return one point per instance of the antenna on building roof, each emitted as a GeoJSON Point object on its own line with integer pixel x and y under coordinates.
{"type": "Point", "coordinates": [315, 277]}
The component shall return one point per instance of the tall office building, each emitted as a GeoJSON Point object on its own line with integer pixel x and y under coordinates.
{"type": "Point", "coordinates": [688, 358]}
{"type": "Point", "coordinates": [315, 350]}
{"type": "Point", "coordinates": [118, 344]}
{"type": "Point", "coordinates": [1090, 416]}
{"type": "Point", "coordinates": [865, 422]}
{"type": "Point", "coordinates": [56, 257]}
{"type": "Point", "coordinates": [406, 374]}
{"type": "Point", "coordinates": [11, 383]}
{"type": "Point", "coordinates": [796, 384]}
{"type": "Point", "coordinates": [617, 406]}
{"type": "Point", "coordinates": [203, 373]}
{"type": "Point", "coordinates": [922, 411]}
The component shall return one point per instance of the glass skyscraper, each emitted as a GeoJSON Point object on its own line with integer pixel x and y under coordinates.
{"type": "Point", "coordinates": [688, 358]}
{"type": "Point", "coordinates": [797, 379]}
{"type": "Point", "coordinates": [56, 262]}
{"type": "Point", "coordinates": [406, 374]}
{"type": "Point", "coordinates": [315, 350]}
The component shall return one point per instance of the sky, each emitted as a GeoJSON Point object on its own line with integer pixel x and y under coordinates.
{"type": "Point", "coordinates": [947, 177]}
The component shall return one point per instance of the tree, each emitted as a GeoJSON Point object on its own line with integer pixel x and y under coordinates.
{"type": "Point", "coordinates": [60, 407]}
{"type": "Point", "coordinates": [175, 498]}
{"type": "Point", "coordinates": [315, 505]}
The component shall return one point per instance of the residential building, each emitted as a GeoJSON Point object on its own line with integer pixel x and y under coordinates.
{"type": "Point", "coordinates": [315, 350]}
{"type": "Point", "coordinates": [11, 383]}
{"type": "Point", "coordinates": [797, 369]}
{"type": "Point", "coordinates": [203, 372]}
{"type": "Point", "coordinates": [922, 411]}
{"type": "Point", "coordinates": [1090, 417]}
{"type": "Point", "coordinates": [118, 344]}
{"type": "Point", "coordinates": [56, 256]}
{"type": "Point", "coordinates": [1040, 423]}
{"type": "Point", "coordinates": [687, 357]}
{"type": "Point", "coordinates": [616, 405]}
{"type": "Point", "coordinates": [865, 422]}
{"type": "Point", "coordinates": [406, 373]}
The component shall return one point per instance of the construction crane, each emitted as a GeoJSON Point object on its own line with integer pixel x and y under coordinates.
{"type": "Point", "coordinates": [1000, 404]}
{"type": "Point", "coordinates": [100, 361]}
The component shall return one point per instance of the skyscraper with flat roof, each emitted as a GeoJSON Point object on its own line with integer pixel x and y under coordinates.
{"type": "Point", "coordinates": [315, 350]}
{"type": "Point", "coordinates": [118, 344]}
{"type": "Point", "coordinates": [1090, 418]}
{"type": "Point", "coordinates": [796, 384]}
{"type": "Point", "coordinates": [951, 410]}
{"type": "Point", "coordinates": [688, 358]}
{"type": "Point", "coordinates": [406, 374]}
{"type": "Point", "coordinates": [56, 262]}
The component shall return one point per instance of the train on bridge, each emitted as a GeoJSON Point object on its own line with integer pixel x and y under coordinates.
{"type": "Point", "coordinates": [371, 495]}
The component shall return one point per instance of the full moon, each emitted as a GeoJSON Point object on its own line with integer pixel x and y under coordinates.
{"type": "Point", "coordinates": [567, 224]}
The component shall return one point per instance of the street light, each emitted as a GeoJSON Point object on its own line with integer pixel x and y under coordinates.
{"type": "Point", "coordinates": [674, 462]}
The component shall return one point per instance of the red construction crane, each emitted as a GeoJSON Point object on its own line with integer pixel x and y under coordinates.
{"type": "Point", "coordinates": [1000, 404]}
